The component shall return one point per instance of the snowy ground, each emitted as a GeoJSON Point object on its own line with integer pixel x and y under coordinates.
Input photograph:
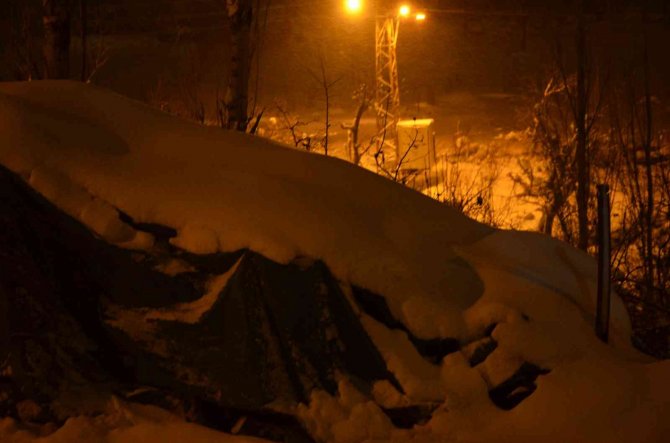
{"type": "Point", "coordinates": [479, 141]}
{"type": "Point", "coordinates": [122, 423]}
{"type": "Point", "coordinates": [442, 274]}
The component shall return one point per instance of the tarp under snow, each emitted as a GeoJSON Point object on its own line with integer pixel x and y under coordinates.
{"type": "Point", "coordinates": [492, 327]}
{"type": "Point", "coordinates": [78, 314]}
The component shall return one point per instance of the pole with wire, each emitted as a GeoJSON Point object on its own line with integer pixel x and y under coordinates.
{"type": "Point", "coordinates": [604, 252]}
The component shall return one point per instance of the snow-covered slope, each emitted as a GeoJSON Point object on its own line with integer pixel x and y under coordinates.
{"type": "Point", "coordinates": [225, 191]}
{"type": "Point", "coordinates": [443, 275]}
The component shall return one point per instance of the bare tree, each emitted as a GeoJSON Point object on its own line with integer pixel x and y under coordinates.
{"type": "Point", "coordinates": [642, 256]}
{"type": "Point", "coordinates": [326, 84]}
{"type": "Point", "coordinates": [292, 124]}
{"type": "Point", "coordinates": [364, 98]}
{"type": "Point", "coordinates": [24, 53]}
{"type": "Point", "coordinates": [580, 107]}
{"type": "Point", "coordinates": [567, 140]}
{"type": "Point", "coordinates": [397, 170]}
{"type": "Point", "coordinates": [56, 48]}
{"type": "Point", "coordinates": [235, 105]}
{"type": "Point", "coordinates": [553, 139]}
{"type": "Point", "coordinates": [95, 44]}
{"type": "Point", "coordinates": [83, 23]}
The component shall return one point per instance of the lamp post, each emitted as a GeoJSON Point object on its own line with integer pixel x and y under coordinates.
{"type": "Point", "coordinates": [387, 89]}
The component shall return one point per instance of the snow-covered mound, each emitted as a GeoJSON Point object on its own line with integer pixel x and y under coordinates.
{"type": "Point", "coordinates": [226, 191]}
{"type": "Point", "coordinates": [519, 306]}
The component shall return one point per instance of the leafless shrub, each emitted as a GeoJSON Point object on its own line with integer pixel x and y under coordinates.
{"type": "Point", "coordinates": [551, 175]}
{"type": "Point", "coordinates": [24, 48]}
{"type": "Point", "coordinates": [97, 56]}
{"type": "Point", "coordinates": [642, 238]}
{"type": "Point", "coordinates": [94, 40]}
{"type": "Point", "coordinates": [326, 85]}
{"type": "Point", "coordinates": [467, 183]}
{"type": "Point", "coordinates": [396, 170]}
{"type": "Point", "coordinates": [628, 153]}
{"type": "Point", "coordinates": [292, 124]}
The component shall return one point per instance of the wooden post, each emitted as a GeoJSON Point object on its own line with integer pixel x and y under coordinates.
{"type": "Point", "coordinates": [604, 250]}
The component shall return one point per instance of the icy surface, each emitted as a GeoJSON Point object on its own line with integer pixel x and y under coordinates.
{"type": "Point", "coordinates": [92, 152]}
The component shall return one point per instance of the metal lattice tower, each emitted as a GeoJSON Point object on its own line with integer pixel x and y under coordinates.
{"type": "Point", "coordinates": [387, 91]}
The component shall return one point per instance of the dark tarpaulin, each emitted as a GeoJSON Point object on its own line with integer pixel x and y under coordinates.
{"type": "Point", "coordinates": [274, 333]}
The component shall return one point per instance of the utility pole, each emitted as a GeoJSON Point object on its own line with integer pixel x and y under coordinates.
{"type": "Point", "coordinates": [604, 257]}
{"type": "Point", "coordinates": [387, 89]}
{"type": "Point", "coordinates": [387, 16]}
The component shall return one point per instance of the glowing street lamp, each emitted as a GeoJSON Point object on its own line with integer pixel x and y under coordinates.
{"type": "Point", "coordinates": [404, 11]}
{"type": "Point", "coordinates": [353, 6]}
{"type": "Point", "coordinates": [420, 16]}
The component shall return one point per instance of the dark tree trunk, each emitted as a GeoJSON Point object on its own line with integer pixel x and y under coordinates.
{"type": "Point", "coordinates": [582, 134]}
{"type": "Point", "coordinates": [648, 166]}
{"type": "Point", "coordinates": [240, 14]}
{"type": "Point", "coordinates": [84, 34]}
{"type": "Point", "coordinates": [355, 147]}
{"type": "Point", "coordinates": [56, 21]}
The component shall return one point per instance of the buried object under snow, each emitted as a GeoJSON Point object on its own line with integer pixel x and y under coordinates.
{"type": "Point", "coordinates": [81, 316]}
{"type": "Point", "coordinates": [69, 303]}
{"type": "Point", "coordinates": [89, 318]}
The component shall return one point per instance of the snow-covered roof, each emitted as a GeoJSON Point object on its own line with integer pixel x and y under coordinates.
{"type": "Point", "coordinates": [416, 123]}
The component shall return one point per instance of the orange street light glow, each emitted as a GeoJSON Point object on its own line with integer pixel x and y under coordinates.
{"type": "Point", "coordinates": [353, 6]}
{"type": "Point", "coordinates": [404, 10]}
{"type": "Point", "coordinates": [420, 16]}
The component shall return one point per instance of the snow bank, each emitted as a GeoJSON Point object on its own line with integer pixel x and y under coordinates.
{"type": "Point", "coordinates": [443, 275]}
{"type": "Point", "coordinates": [225, 191]}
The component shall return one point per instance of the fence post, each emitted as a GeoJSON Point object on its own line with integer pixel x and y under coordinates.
{"type": "Point", "coordinates": [604, 251]}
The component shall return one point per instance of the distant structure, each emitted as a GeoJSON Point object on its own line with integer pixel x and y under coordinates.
{"type": "Point", "coordinates": [416, 144]}
{"type": "Point", "coordinates": [387, 89]}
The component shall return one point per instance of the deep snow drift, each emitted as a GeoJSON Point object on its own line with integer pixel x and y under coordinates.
{"type": "Point", "coordinates": [443, 275]}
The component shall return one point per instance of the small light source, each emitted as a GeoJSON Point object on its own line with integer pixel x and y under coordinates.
{"type": "Point", "coordinates": [420, 16]}
{"type": "Point", "coordinates": [353, 6]}
{"type": "Point", "coordinates": [404, 11]}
